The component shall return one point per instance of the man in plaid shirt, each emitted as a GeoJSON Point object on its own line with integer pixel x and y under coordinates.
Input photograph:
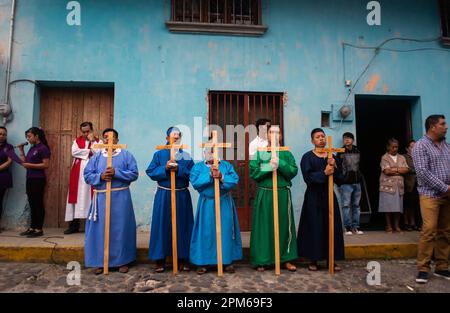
{"type": "Point", "coordinates": [431, 156]}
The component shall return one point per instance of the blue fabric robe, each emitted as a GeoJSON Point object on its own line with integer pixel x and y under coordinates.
{"type": "Point", "coordinates": [122, 240]}
{"type": "Point", "coordinates": [160, 245]}
{"type": "Point", "coordinates": [203, 242]}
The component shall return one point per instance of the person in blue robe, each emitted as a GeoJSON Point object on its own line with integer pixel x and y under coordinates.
{"type": "Point", "coordinates": [122, 233]}
{"type": "Point", "coordinates": [203, 243]}
{"type": "Point", "coordinates": [160, 246]}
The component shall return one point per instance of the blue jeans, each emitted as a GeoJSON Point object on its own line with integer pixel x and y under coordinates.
{"type": "Point", "coordinates": [351, 196]}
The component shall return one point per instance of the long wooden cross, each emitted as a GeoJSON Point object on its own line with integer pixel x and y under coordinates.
{"type": "Point", "coordinates": [110, 146]}
{"type": "Point", "coordinates": [274, 148]}
{"type": "Point", "coordinates": [330, 151]}
{"type": "Point", "coordinates": [172, 146]}
{"type": "Point", "coordinates": [215, 146]}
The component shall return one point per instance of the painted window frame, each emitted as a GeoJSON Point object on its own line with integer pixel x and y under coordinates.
{"type": "Point", "coordinates": [199, 18]}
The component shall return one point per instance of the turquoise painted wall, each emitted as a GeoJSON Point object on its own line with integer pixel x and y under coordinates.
{"type": "Point", "coordinates": [162, 78]}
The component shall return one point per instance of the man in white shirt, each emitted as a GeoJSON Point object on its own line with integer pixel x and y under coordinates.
{"type": "Point", "coordinates": [261, 139]}
{"type": "Point", "coordinates": [79, 195]}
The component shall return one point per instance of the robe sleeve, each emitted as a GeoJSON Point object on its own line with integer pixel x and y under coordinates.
{"type": "Point", "coordinates": [287, 168]}
{"type": "Point", "coordinates": [129, 172]}
{"type": "Point", "coordinates": [259, 171]}
{"type": "Point", "coordinates": [200, 179]}
{"type": "Point", "coordinates": [79, 153]}
{"type": "Point", "coordinates": [157, 171]}
{"type": "Point", "coordinates": [310, 174]}
{"type": "Point", "coordinates": [230, 178]}
{"type": "Point", "coordinates": [91, 174]}
{"type": "Point", "coordinates": [184, 170]}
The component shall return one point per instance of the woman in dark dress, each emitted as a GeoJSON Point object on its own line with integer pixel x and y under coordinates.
{"type": "Point", "coordinates": [313, 229]}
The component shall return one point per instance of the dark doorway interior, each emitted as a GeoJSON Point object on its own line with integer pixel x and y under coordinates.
{"type": "Point", "coordinates": [379, 118]}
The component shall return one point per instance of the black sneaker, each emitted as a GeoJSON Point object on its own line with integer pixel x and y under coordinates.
{"type": "Point", "coordinates": [27, 232]}
{"type": "Point", "coordinates": [35, 234]}
{"type": "Point", "coordinates": [70, 231]}
{"type": "Point", "coordinates": [443, 274]}
{"type": "Point", "coordinates": [422, 278]}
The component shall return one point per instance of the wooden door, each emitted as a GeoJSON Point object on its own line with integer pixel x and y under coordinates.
{"type": "Point", "coordinates": [243, 108]}
{"type": "Point", "coordinates": [61, 113]}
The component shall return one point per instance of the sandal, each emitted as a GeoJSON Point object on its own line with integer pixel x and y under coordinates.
{"type": "Point", "coordinates": [230, 269]}
{"type": "Point", "coordinates": [201, 270]}
{"type": "Point", "coordinates": [260, 269]}
{"type": "Point", "coordinates": [389, 230]}
{"type": "Point", "coordinates": [185, 268]}
{"type": "Point", "coordinates": [313, 267]}
{"type": "Point", "coordinates": [337, 268]}
{"type": "Point", "coordinates": [159, 269]}
{"type": "Point", "coordinates": [98, 271]}
{"type": "Point", "coordinates": [124, 269]}
{"type": "Point", "coordinates": [290, 267]}
{"type": "Point", "coordinates": [398, 230]}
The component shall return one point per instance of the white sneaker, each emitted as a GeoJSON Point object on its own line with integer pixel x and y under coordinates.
{"type": "Point", "coordinates": [348, 231]}
{"type": "Point", "coordinates": [357, 231]}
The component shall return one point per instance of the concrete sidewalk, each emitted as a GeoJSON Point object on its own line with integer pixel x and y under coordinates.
{"type": "Point", "coordinates": [54, 246]}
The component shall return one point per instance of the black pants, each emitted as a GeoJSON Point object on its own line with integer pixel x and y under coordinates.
{"type": "Point", "coordinates": [35, 193]}
{"type": "Point", "coordinates": [2, 193]}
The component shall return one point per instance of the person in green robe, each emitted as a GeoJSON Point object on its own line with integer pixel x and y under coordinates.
{"type": "Point", "coordinates": [262, 243]}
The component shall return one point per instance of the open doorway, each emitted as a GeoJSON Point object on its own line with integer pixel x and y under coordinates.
{"type": "Point", "coordinates": [379, 118]}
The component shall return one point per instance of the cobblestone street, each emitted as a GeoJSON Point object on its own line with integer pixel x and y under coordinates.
{"type": "Point", "coordinates": [396, 276]}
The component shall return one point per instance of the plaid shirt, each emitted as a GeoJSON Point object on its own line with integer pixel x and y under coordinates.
{"type": "Point", "coordinates": [432, 163]}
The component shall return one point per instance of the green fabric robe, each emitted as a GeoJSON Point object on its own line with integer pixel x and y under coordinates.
{"type": "Point", "coordinates": [262, 243]}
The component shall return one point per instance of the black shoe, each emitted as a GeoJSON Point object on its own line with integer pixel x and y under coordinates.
{"type": "Point", "coordinates": [35, 234]}
{"type": "Point", "coordinates": [443, 274]}
{"type": "Point", "coordinates": [422, 278]}
{"type": "Point", "coordinates": [71, 231]}
{"type": "Point", "coordinates": [27, 232]}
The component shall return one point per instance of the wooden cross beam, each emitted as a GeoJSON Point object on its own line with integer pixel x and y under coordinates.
{"type": "Point", "coordinates": [110, 146]}
{"type": "Point", "coordinates": [172, 146]}
{"type": "Point", "coordinates": [215, 146]}
{"type": "Point", "coordinates": [330, 151]}
{"type": "Point", "coordinates": [274, 148]}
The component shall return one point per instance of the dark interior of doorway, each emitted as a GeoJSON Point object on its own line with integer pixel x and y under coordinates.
{"type": "Point", "coordinates": [378, 118]}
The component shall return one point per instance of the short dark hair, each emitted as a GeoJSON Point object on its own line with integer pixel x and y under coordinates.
{"type": "Point", "coordinates": [348, 135]}
{"type": "Point", "coordinates": [3, 127]}
{"type": "Point", "coordinates": [261, 121]}
{"type": "Point", "coordinates": [432, 120]}
{"type": "Point", "coordinates": [110, 130]}
{"type": "Point", "coordinates": [409, 143]}
{"type": "Point", "coordinates": [316, 130]}
{"type": "Point", "coordinates": [84, 124]}
{"type": "Point", "coordinates": [390, 142]}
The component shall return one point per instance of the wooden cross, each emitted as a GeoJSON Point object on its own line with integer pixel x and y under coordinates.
{"type": "Point", "coordinates": [172, 146]}
{"type": "Point", "coordinates": [110, 146]}
{"type": "Point", "coordinates": [274, 148]}
{"type": "Point", "coordinates": [330, 151]}
{"type": "Point", "coordinates": [215, 145]}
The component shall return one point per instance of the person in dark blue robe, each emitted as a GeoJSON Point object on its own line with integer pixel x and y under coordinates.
{"type": "Point", "coordinates": [160, 246]}
{"type": "Point", "coordinates": [122, 233]}
{"type": "Point", "coordinates": [313, 231]}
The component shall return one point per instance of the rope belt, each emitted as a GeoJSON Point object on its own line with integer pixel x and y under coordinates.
{"type": "Point", "coordinates": [94, 213]}
{"type": "Point", "coordinates": [289, 211]}
{"type": "Point", "coordinates": [168, 189]}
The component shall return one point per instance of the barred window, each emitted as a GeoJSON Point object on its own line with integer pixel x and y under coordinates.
{"type": "Point", "coordinates": [445, 19]}
{"type": "Point", "coordinates": [244, 12]}
{"type": "Point", "coordinates": [219, 16]}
